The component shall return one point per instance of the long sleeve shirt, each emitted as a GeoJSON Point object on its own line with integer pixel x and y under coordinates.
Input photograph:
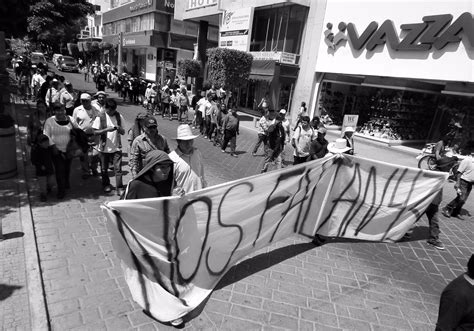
{"type": "Point", "coordinates": [141, 145]}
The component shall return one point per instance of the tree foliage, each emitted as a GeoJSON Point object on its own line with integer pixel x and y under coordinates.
{"type": "Point", "coordinates": [189, 68]}
{"type": "Point", "coordinates": [228, 68]}
{"type": "Point", "coordinates": [57, 21]}
{"type": "Point", "coordinates": [13, 14]}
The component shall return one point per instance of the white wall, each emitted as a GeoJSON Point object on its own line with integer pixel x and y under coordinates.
{"type": "Point", "coordinates": [454, 62]}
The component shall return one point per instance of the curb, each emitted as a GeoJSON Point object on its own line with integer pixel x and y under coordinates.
{"type": "Point", "coordinates": [36, 296]}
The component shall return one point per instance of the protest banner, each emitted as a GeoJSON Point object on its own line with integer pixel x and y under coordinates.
{"type": "Point", "coordinates": [175, 250]}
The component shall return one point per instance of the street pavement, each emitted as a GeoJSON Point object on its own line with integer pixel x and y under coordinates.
{"type": "Point", "coordinates": [292, 285]}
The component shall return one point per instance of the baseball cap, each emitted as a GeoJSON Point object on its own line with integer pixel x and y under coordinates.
{"type": "Point", "coordinates": [149, 122]}
{"type": "Point", "coordinates": [86, 96]}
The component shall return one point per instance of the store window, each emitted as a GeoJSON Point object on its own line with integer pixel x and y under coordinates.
{"type": "Point", "coordinates": [384, 113]}
{"type": "Point", "coordinates": [128, 25]}
{"type": "Point", "coordinates": [278, 29]}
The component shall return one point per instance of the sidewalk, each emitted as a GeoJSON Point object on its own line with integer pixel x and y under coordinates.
{"type": "Point", "coordinates": [21, 292]}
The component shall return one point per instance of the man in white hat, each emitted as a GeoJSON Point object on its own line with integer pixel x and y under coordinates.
{"type": "Point", "coordinates": [188, 164]}
{"type": "Point", "coordinates": [84, 116]}
{"type": "Point", "coordinates": [338, 147]}
{"type": "Point", "coordinates": [52, 96]}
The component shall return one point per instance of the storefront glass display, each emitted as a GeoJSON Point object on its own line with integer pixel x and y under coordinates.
{"type": "Point", "coordinates": [389, 114]}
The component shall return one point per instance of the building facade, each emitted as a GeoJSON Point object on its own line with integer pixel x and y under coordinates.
{"type": "Point", "coordinates": [404, 68]}
{"type": "Point", "coordinates": [152, 40]}
{"type": "Point", "coordinates": [272, 31]}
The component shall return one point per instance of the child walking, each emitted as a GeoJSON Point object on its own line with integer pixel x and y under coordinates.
{"type": "Point", "coordinates": [42, 159]}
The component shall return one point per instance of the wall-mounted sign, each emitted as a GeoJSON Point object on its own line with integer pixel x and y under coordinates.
{"type": "Point", "coordinates": [282, 57]}
{"type": "Point", "coordinates": [235, 27]}
{"type": "Point", "coordinates": [417, 39]}
{"type": "Point", "coordinates": [141, 5]}
{"type": "Point", "coordinates": [436, 31]}
{"type": "Point", "coordinates": [196, 4]}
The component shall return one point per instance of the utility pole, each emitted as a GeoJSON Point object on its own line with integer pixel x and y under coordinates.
{"type": "Point", "coordinates": [119, 58]}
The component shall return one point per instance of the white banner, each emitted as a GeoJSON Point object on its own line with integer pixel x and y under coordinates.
{"type": "Point", "coordinates": [175, 250]}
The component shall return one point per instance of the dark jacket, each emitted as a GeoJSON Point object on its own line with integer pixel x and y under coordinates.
{"type": "Point", "coordinates": [142, 187]}
{"type": "Point", "coordinates": [276, 136]}
{"type": "Point", "coordinates": [42, 159]}
{"type": "Point", "coordinates": [318, 148]}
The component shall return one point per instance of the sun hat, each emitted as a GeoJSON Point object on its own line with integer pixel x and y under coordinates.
{"type": "Point", "coordinates": [184, 132]}
{"type": "Point", "coordinates": [149, 122]}
{"type": "Point", "coordinates": [86, 96]}
{"type": "Point", "coordinates": [55, 80]}
{"type": "Point", "coordinates": [100, 93]}
{"type": "Point", "coordinates": [349, 129]}
{"type": "Point", "coordinates": [338, 146]}
{"type": "Point", "coordinates": [283, 111]}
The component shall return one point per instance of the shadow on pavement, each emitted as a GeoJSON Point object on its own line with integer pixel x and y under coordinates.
{"type": "Point", "coordinates": [7, 290]}
{"type": "Point", "coordinates": [261, 262]}
{"type": "Point", "coordinates": [13, 235]}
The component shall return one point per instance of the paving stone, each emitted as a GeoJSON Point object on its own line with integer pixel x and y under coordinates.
{"type": "Point", "coordinates": [284, 321]}
{"type": "Point", "coordinates": [319, 317]}
{"type": "Point", "coordinates": [66, 322]}
{"type": "Point", "coordinates": [231, 323]}
{"type": "Point", "coordinates": [246, 300]}
{"type": "Point", "coordinates": [281, 308]}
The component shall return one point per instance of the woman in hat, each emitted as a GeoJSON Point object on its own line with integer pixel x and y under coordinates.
{"type": "Point", "coordinates": [348, 136]}
{"type": "Point", "coordinates": [339, 146]}
{"type": "Point", "coordinates": [155, 179]}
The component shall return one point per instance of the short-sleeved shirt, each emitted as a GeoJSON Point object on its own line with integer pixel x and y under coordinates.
{"type": "Point", "coordinates": [466, 168]}
{"type": "Point", "coordinates": [303, 139]}
{"type": "Point", "coordinates": [113, 143]}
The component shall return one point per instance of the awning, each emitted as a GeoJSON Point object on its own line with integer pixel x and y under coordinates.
{"type": "Point", "coordinates": [263, 70]}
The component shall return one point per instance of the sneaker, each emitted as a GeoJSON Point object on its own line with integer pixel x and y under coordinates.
{"type": "Point", "coordinates": [177, 322]}
{"type": "Point", "coordinates": [107, 189]}
{"type": "Point", "coordinates": [436, 244]}
{"type": "Point", "coordinates": [445, 213]}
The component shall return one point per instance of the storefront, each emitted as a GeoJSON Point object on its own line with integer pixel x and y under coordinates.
{"type": "Point", "coordinates": [405, 68]}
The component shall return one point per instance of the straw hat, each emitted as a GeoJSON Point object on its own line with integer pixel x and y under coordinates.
{"type": "Point", "coordinates": [349, 129]}
{"type": "Point", "coordinates": [184, 132]}
{"type": "Point", "coordinates": [338, 146]}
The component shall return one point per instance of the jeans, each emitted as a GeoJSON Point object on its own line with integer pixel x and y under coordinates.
{"type": "Point", "coordinates": [433, 221]}
{"type": "Point", "coordinates": [62, 167]}
{"type": "Point", "coordinates": [271, 155]}
{"type": "Point", "coordinates": [210, 130]}
{"type": "Point", "coordinates": [104, 165]}
{"type": "Point", "coordinates": [229, 136]}
{"type": "Point", "coordinates": [454, 207]}
{"type": "Point", "coordinates": [262, 138]}
{"type": "Point", "coordinates": [89, 161]}
{"type": "Point", "coordinates": [45, 183]}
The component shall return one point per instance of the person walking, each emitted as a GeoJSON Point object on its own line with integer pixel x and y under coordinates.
{"type": "Point", "coordinates": [36, 81]}
{"type": "Point", "coordinates": [188, 161]}
{"type": "Point", "coordinates": [463, 187]}
{"type": "Point", "coordinates": [144, 143]}
{"type": "Point", "coordinates": [319, 146]}
{"type": "Point", "coordinates": [68, 98]}
{"type": "Point", "coordinates": [58, 129]}
{"type": "Point", "coordinates": [183, 105]}
{"type": "Point", "coordinates": [52, 95]}
{"type": "Point", "coordinates": [265, 121]}
{"type": "Point", "coordinates": [274, 143]}
{"type": "Point", "coordinates": [303, 136]}
{"type": "Point", "coordinates": [42, 159]}
{"type": "Point", "coordinates": [109, 126]}
{"type": "Point", "coordinates": [456, 305]}
{"type": "Point", "coordinates": [84, 117]}
{"type": "Point", "coordinates": [230, 125]}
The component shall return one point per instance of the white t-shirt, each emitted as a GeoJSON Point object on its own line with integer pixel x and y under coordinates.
{"type": "Point", "coordinates": [303, 140]}
{"type": "Point", "coordinates": [112, 144]}
{"type": "Point", "coordinates": [83, 117]}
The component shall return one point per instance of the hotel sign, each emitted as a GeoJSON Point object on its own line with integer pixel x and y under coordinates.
{"type": "Point", "coordinates": [141, 5]}
{"type": "Point", "coordinates": [435, 32]}
{"type": "Point", "coordinates": [197, 4]}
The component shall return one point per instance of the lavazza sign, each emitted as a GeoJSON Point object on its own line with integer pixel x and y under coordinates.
{"type": "Point", "coordinates": [435, 32]}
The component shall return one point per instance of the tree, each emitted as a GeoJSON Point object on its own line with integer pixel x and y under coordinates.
{"type": "Point", "coordinates": [13, 14]}
{"type": "Point", "coordinates": [229, 68]}
{"type": "Point", "coordinates": [189, 68]}
{"type": "Point", "coordinates": [57, 21]}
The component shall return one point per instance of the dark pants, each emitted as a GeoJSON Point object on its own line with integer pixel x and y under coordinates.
{"type": "Point", "coordinates": [210, 130]}
{"type": "Point", "coordinates": [229, 136]}
{"type": "Point", "coordinates": [270, 156]}
{"type": "Point", "coordinates": [105, 159]}
{"type": "Point", "coordinates": [62, 168]}
{"type": "Point", "coordinates": [299, 159]}
{"type": "Point", "coordinates": [262, 138]}
{"type": "Point", "coordinates": [166, 109]}
{"type": "Point", "coordinates": [454, 207]}
{"type": "Point", "coordinates": [433, 221]}
{"type": "Point", "coordinates": [206, 124]}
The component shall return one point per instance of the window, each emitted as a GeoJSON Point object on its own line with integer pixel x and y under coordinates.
{"type": "Point", "coordinates": [278, 29]}
{"type": "Point", "coordinates": [128, 25]}
{"type": "Point", "coordinates": [136, 23]}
